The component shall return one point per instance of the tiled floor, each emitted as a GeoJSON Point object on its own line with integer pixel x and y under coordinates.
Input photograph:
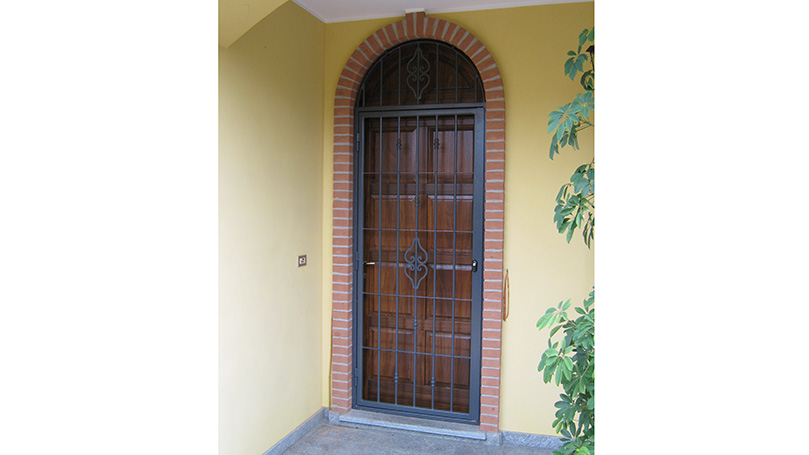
{"type": "Point", "coordinates": [344, 440]}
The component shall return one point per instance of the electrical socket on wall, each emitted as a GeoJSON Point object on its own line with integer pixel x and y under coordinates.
{"type": "Point", "coordinates": [301, 260]}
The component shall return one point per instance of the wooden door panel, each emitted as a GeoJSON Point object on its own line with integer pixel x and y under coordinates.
{"type": "Point", "coordinates": [391, 207]}
{"type": "Point", "coordinates": [463, 281]}
{"type": "Point", "coordinates": [464, 207]}
{"type": "Point", "coordinates": [443, 284]}
{"type": "Point", "coordinates": [386, 336]}
{"type": "Point", "coordinates": [444, 342]}
{"type": "Point", "coordinates": [379, 279]}
{"type": "Point", "coordinates": [452, 249]}
{"type": "Point", "coordinates": [380, 247]}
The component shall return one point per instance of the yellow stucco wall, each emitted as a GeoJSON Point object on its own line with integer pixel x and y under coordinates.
{"type": "Point", "coordinates": [529, 45]}
{"type": "Point", "coordinates": [270, 198]}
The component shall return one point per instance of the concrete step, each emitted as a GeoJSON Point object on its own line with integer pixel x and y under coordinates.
{"type": "Point", "coordinates": [397, 422]}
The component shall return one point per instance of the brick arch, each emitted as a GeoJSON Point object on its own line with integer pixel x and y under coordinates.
{"type": "Point", "coordinates": [418, 26]}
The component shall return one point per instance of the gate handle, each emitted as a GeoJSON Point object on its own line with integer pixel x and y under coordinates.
{"type": "Point", "coordinates": [474, 265]}
{"type": "Point", "coordinates": [506, 295]}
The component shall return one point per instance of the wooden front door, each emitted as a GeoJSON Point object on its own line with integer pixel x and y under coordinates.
{"type": "Point", "coordinates": [418, 262]}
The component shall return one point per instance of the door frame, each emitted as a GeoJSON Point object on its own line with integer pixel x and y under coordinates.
{"type": "Point", "coordinates": [415, 25]}
{"type": "Point", "coordinates": [478, 197]}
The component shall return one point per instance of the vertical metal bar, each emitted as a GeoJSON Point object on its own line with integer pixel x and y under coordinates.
{"type": "Point", "coordinates": [415, 292]}
{"type": "Point", "coordinates": [456, 85]}
{"type": "Point", "coordinates": [418, 73]}
{"type": "Point", "coordinates": [477, 252]}
{"type": "Point", "coordinates": [379, 271]}
{"type": "Point", "coordinates": [435, 247]}
{"type": "Point", "coordinates": [437, 51]}
{"type": "Point", "coordinates": [398, 209]}
{"type": "Point", "coordinates": [454, 256]}
{"type": "Point", "coordinates": [381, 79]}
{"type": "Point", "coordinates": [358, 251]}
{"type": "Point", "coordinates": [399, 84]}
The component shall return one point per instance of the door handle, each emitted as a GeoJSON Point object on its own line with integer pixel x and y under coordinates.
{"type": "Point", "coordinates": [474, 265]}
{"type": "Point", "coordinates": [369, 263]}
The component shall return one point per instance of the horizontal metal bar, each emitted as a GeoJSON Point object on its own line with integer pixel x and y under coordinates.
{"type": "Point", "coordinates": [449, 299]}
{"type": "Point", "coordinates": [461, 267]}
{"type": "Point", "coordinates": [369, 348]}
{"type": "Point", "coordinates": [434, 231]}
{"type": "Point", "coordinates": [422, 173]}
{"type": "Point", "coordinates": [402, 409]}
{"type": "Point", "coordinates": [403, 110]}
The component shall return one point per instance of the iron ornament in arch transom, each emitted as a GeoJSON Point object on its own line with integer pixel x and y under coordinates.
{"type": "Point", "coordinates": [418, 70]}
{"type": "Point", "coordinates": [421, 72]}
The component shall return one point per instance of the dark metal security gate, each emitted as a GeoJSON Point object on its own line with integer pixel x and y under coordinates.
{"type": "Point", "coordinates": [418, 230]}
{"type": "Point", "coordinates": [420, 243]}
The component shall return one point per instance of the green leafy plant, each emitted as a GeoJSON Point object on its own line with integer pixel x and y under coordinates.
{"type": "Point", "coordinates": [575, 203]}
{"type": "Point", "coordinates": [570, 361]}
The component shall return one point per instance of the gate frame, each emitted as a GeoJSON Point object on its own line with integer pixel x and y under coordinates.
{"type": "Point", "coordinates": [479, 112]}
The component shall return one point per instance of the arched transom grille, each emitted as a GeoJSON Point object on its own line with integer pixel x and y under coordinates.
{"type": "Point", "coordinates": [422, 72]}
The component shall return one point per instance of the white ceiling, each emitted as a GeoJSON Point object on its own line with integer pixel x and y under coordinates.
{"type": "Point", "coordinates": [237, 16]}
{"type": "Point", "coordinates": [350, 10]}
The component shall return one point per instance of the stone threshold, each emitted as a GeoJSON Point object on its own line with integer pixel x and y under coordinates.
{"type": "Point", "coordinates": [415, 424]}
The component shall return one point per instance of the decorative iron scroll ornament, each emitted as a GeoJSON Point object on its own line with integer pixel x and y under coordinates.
{"type": "Point", "coordinates": [418, 69]}
{"type": "Point", "coordinates": [415, 259]}
{"type": "Point", "coordinates": [409, 69]}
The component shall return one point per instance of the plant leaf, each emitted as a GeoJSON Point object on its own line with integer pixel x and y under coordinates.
{"type": "Point", "coordinates": [583, 36]}
{"type": "Point", "coordinates": [555, 118]}
{"type": "Point", "coordinates": [545, 319]}
{"type": "Point", "coordinates": [570, 67]}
